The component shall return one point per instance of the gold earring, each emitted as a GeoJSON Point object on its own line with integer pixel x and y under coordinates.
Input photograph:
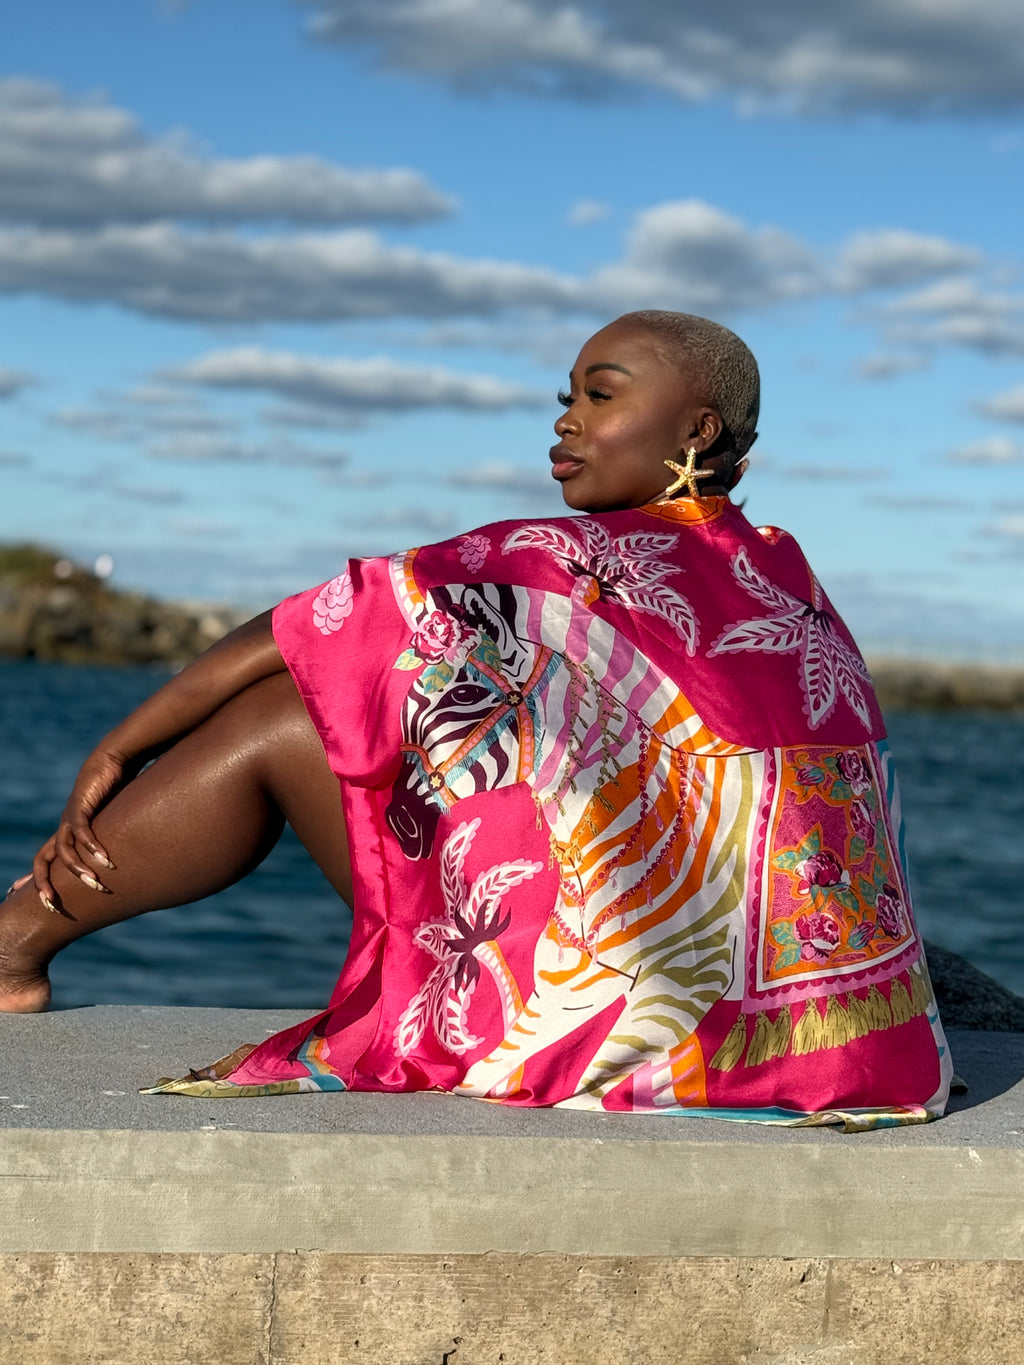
{"type": "Point", "coordinates": [687, 475]}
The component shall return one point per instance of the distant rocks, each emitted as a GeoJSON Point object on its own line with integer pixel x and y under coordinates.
{"type": "Point", "coordinates": [54, 611]}
{"type": "Point", "coordinates": [968, 998]}
{"type": "Point", "coordinates": [917, 685]}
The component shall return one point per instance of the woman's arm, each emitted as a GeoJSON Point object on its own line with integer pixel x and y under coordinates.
{"type": "Point", "coordinates": [245, 656]}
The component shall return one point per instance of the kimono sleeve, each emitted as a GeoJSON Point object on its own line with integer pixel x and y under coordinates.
{"type": "Point", "coordinates": [340, 642]}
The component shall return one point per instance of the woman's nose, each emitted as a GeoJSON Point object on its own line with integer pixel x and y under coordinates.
{"type": "Point", "coordinates": [566, 423]}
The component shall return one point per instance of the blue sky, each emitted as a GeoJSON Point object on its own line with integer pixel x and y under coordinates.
{"type": "Point", "coordinates": [288, 280]}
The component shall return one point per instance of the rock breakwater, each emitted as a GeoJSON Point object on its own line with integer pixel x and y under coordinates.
{"type": "Point", "coordinates": [919, 685]}
{"type": "Point", "coordinates": [57, 612]}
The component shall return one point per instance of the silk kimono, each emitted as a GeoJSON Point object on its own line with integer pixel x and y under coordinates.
{"type": "Point", "coordinates": [624, 826]}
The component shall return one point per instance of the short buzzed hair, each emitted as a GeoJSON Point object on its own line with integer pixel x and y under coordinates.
{"type": "Point", "coordinates": [732, 384]}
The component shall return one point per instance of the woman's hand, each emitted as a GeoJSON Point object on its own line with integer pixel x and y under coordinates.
{"type": "Point", "coordinates": [245, 656]}
{"type": "Point", "coordinates": [102, 774]}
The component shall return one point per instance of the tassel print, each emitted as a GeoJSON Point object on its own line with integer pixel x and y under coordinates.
{"type": "Point", "coordinates": [859, 1016]}
{"type": "Point", "coordinates": [729, 1054]}
{"type": "Point", "coordinates": [771, 1037]}
{"type": "Point", "coordinates": [921, 994]}
{"type": "Point", "coordinates": [899, 1001]}
{"type": "Point", "coordinates": [809, 1031]}
{"type": "Point", "coordinates": [878, 1009]}
{"type": "Point", "coordinates": [836, 1031]}
{"type": "Point", "coordinates": [813, 1031]}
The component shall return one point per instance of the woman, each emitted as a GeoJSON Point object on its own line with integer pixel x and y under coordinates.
{"type": "Point", "coordinates": [624, 823]}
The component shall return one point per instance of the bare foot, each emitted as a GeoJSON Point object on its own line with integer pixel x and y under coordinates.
{"type": "Point", "coordinates": [23, 994]}
{"type": "Point", "coordinates": [24, 984]}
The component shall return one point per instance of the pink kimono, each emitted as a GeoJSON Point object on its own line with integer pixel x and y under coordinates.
{"type": "Point", "coordinates": [625, 832]}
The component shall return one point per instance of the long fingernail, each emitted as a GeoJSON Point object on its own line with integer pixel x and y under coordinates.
{"type": "Point", "coordinates": [49, 904]}
{"type": "Point", "coordinates": [102, 858]}
{"type": "Point", "coordinates": [93, 884]}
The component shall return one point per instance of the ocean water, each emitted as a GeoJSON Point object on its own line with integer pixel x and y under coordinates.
{"type": "Point", "coordinates": [277, 939]}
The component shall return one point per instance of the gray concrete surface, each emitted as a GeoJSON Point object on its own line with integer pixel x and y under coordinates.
{"type": "Point", "coordinates": [88, 1165]}
{"type": "Point", "coordinates": [82, 1068]}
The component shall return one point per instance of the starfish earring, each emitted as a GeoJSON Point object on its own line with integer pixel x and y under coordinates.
{"type": "Point", "coordinates": [688, 475]}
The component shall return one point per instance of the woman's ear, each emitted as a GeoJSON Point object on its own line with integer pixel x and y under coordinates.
{"type": "Point", "coordinates": [739, 469]}
{"type": "Point", "coordinates": [709, 428]}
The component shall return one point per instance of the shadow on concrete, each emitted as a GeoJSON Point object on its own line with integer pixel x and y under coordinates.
{"type": "Point", "coordinates": [991, 1064]}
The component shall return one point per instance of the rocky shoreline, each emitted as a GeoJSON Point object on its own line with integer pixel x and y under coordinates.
{"type": "Point", "coordinates": [969, 998]}
{"type": "Point", "coordinates": [57, 612]}
{"type": "Point", "coordinates": [919, 685]}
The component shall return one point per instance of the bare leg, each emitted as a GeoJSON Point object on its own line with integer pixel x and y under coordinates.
{"type": "Point", "coordinates": [201, 817]}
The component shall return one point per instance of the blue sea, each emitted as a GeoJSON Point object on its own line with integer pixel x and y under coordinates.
{"type": "Point", "coordinates": [278, 938]}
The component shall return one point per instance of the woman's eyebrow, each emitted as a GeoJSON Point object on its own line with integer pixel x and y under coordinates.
{"type": "Point", "coordinates": [608, 365]}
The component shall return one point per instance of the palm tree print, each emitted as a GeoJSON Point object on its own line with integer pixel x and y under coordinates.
{"type": "Point", "coordinates": [624, 569]}
{"type": "Point", "coordinates": [801, 627]}
{"type": "Point", "coordinates": [459, 941]}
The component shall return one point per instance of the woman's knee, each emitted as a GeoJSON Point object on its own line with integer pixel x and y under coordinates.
{"type": "Point", "coordinates": [269, 726]}
{"type": "Point", "coordinates": [295, 775]}
{"type": "Point", "coordinates": [264, 719]}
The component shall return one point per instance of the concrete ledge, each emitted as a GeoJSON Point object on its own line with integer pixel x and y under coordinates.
{"type": "Point", "coordinates": [424, 1230]}
{"type": "Point", "coordinates": [317, 1309]}
{"type": "Point", "coordinates": [86, 1164]}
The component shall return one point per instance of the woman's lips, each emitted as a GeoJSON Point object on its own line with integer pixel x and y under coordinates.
{"type": "Point", "coordinates": [564, 464]}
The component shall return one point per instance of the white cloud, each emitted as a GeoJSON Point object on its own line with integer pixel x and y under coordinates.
{"type": "Point", "coordinates": [107, 424]}
{"type": "Point", "coordinates": [957, 295]}
{"type": "Point", "coordinates": [685, 254]}
{"type": "Point", "coordinates": [120, 418]}
{"type": "Point", "coordinates": [152, 495]}
{"type": "Point", "coordinates": [1006, 407]}
{"type": "Point", "coordinates": [167, 424]}
{"type": "Point", "coordinates": [691, 255]}
{"type": "Point", "coordinates": [202, 527]}
{"type": "Point", "coordinates": [815, 473]}
{"type": "Point", "coordinates": [12, 382]}
{"type": "Point", "coordinates": [996, 336]}
{"type": "Point", "coordinates": [887, 365]}
{"type": "Point", "coordinates": [499, 477]}
{"type": "Point", "coordinates": [917, 502]}
{"type": "Point", "coordinates": [522, 43]}
{"type": "Point", "coordinates": [374, 383]}
{"type": "Point", "coordinates": [199, 448]}
{"type": "Point", "coordinates": [892, 258]}
{"type": "Point", "coordinates": [992, 450]}
{"type": "Point", "coordinates": [423, 520]}
{"type": "Point", "coordinates": [68, 161]}
{"type": "Point", "coordinates": [587, 211]}
{"type": "Point", "coordinates": [303, 417]}
{"type": "Point", "coordinates": [901, 56]}
{"type": "Point", "coordinates": [960, 312]}
{"type": "Point", "coordinates": [1011, 526]}
{"type": "Point", "coordinates": [164, 270]}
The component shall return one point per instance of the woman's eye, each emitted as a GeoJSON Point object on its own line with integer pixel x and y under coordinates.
{"type": "Point", "coordinates": [564, 398]}
{"type": "Point", "coordinates": [598, 395]}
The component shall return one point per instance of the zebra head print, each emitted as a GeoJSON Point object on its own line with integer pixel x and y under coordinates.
{"type": "Point", "coordinates": [475, 732]}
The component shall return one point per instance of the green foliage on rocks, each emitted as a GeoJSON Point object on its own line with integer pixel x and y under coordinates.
{"type": "Point", "coordinates": [58, 612]}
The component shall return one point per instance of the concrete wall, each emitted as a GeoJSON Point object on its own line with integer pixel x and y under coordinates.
{"type": "Point", "coordinates": [409, 1229]}
{"type": "Point", "coordinates": [316, 1308]}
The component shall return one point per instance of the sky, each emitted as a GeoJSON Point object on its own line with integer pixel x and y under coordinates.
{"type": "Point", "coordinates": [284, 281]}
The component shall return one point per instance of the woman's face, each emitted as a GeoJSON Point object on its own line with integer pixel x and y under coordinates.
{"type": "Point", "coordinates": [629, 409]}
